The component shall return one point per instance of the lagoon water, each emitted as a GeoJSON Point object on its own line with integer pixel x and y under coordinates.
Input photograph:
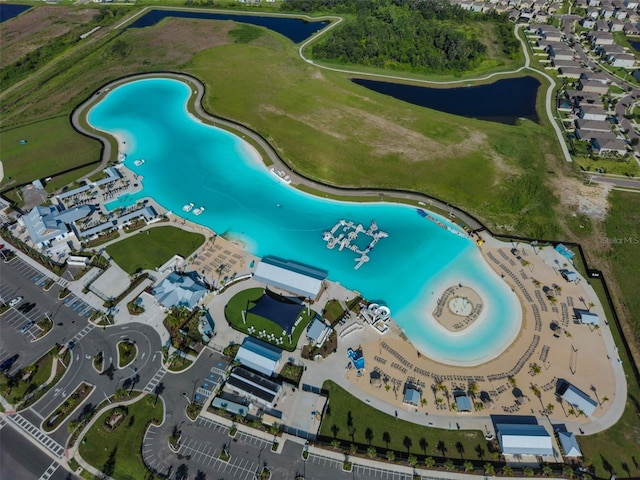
{"type": "Point", "coordinates": [295, 29]}
{"type": "Point", "coordinates": [188, 161]}
{"type": "Point", "coordinates": [504, 101]}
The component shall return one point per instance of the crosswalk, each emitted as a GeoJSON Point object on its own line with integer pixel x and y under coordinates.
{"type": "Point", "coordinates": [82, 333]}
{"type": "Point", "coordinates": [155, 380]}
{"type": "Point", "coordinates": [42, 438]}
{"type": "Point", "coordinates": [48, 473]}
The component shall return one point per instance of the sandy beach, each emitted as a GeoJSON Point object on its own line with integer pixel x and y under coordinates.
{"type": "Point", "coordinates": [530, 366]}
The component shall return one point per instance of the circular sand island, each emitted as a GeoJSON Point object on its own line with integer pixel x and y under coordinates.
{"type": "Point", "coordinates": [458, 308]}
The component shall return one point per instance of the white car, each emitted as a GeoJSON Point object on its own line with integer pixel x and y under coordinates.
{"type": "Point", "coordinates": [15, 301]}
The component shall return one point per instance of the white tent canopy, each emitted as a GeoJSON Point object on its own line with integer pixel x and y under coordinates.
{"type": "Point", "coordinates": [290, 276]}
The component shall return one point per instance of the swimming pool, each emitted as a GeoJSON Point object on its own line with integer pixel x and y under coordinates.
{"type": "Point", "coordinates": [187, 161]}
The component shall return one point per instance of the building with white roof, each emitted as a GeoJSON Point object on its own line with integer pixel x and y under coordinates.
{"type": "Point", "coordinates": [259, 356]}
{"type": "Point", "coordinates": [577, 398]}
{"type": "Point", "coordinates": [291, 276]}
{"type": "Point", "coordinates": [524, 439]}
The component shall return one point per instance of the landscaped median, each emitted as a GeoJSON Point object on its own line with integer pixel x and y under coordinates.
{"type": "Point", "coordinates": [67, 408]}
{"type": "Point", "coordinates": [112, 444]}
{"type": "Point", "coordinates": [30, 383]}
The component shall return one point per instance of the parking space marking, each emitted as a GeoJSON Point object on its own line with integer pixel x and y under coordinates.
{"type": "Point", "coordinates": [241, 469]}
{"type": "Point", "coordinates": [205, 422]}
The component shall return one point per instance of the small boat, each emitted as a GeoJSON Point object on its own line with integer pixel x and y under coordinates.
{"type": "Point", "coordinates": [198, 211]}
{"type": "Point", "coordinates": [188, 207]}
{"type": "Point", "coordinates": [139, 162]}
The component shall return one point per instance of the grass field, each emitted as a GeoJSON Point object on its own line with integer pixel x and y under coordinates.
{"type": "Point", "coordinates": [152, 248]}
{"type": "Point", "coordinates": [117, 453]}
{"type": "Point", "coordinates": [373, 427]}
{"type": "Point", "coordinates": [24, 163]}
{"type": "Point", "coordinates": [246, 299]}
{"type": "Point", "coordinates": [42, 368]}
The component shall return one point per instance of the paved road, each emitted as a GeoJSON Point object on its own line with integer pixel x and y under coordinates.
{"type": "Point", "coordinates": [618, 182]}
{"type": "Point", "coordinates": [20, 459]}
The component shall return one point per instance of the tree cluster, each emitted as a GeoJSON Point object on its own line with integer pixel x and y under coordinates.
{"type": "Point", "coordinates": [421, 36]}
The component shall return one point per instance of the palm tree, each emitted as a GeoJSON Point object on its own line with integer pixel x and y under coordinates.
{"type": "Point", "coordinates": [423, 402]}
{"type": "Point", "coordinates": [372, 452]}
{"type": "Point", "coordinates": [507, 471]}
{"type": "Point", "coordinates": [473, 388]}
{"type": "Point", "coordinates": [391, 456]}
{"type": "Point", "coordinates": [412, 460]}
{"type": "Point", "coordinates": [550, 407]}
{"type": "Point", "coordinates": [429, 462]}
{"type": "Point", "coordinates": [489, 469]}
{"type": "Point", "coordinates": [468, 466]}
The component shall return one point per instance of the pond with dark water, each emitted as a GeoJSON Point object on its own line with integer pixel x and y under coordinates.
{"type": "Point", "coordinates": [504, 101]}
{"type": "Point", "coordinates": [295, 29]}
{"type": "Point", "coordinates": [9, 10]}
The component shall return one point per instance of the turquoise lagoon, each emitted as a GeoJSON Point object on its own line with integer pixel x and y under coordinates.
{"type": "Point", "coordinates": [187, 161]}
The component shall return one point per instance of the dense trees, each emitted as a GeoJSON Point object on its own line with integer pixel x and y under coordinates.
{"type": "Point", "coordinates": [423, 36]}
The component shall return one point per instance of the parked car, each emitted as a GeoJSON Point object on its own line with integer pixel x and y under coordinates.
{"type": "Point", "coordinates": [15, 301]}
{"type": "Point", "coordinates": [8, 363]}
{"type": "Point", "coordinates": [27, 326]}
{"type": "Point", "coordinates": [27, 307]}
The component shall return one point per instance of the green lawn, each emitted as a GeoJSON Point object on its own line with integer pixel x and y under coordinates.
{"type": "Point", "coordinates": [152, 248]}
{"type": "Point", "coordinates": [42, 367]}
{"type": "Point", "coordinates": [246, 299]}
{"type": "Point", "coordinates": [373, 427]}
{"type": "Point", "coordinates": [126, 353]}
{"type": "Point", "coordinates": [117, 453]}
{"type": "Point", "coordinates": [53, 140]}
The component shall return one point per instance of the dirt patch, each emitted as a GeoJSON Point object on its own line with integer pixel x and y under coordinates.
{"type": "Point", "coordinates": [37, 27]}
{"type": "Point", "coordinates": [177, 40]}
{"type": "Point", "coordinates": [385, 136]}
{"type": "Point", "coordinates": [575, 196]}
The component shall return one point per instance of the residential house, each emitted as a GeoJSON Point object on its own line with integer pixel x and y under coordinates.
{"type": "Point", "coordinates": [600, 38]}
{"type": "Point", "coordinates": [631, 29]}
{"type": "Point", "coordinates": [589, 23]}
{"type": "Point", "coordinates": [590, 112]}
{"type": "Point", "coordinates": [478, 7]}
{"type": "Point", "coordinates": [560, 51]}
{"type": "Point", "coordinates": [565, 63]}
{"type": "Point", "coordinates": [631, 4]}
{"type": "Point", "coordinates": [607, 51]}
{"type": "Point", "coordinates": [608, 144]}
{"type": "Point", "coordinates": [570, 72]}
{"type": "Point", "coordinates": [593, 13]}
{"type": "Point", "coordinates": [621, 14]}
{"type": "Point", "coordinates": [543, 17]}
{"type": "Point", "coordinates": [585, 129]}
{"type": "Point", "coordinates": [594, 3]}
{"type": "Point", "coordinates": [598, 77]}
{"type": "Point", "coordinates": [623, 60]}
{"type": "Point", "coordinates": [593, 86]}
{"type": "Point", "coordinates": [601, 26]}
{"type": "Point", "coordinates": [550, 33]}
{"type": "Point", "coordinates": [607, 10]}
{"type": "Point", "coordinates": [616, 26]}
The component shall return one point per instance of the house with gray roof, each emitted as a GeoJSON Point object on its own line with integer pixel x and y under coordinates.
{"type": "Point", "coordinates": [569, 444]}
{"type": "Point", "coordinates": [576, 398]}
{"type": "Point", "coordinates": [180, 291]}
{"type": "Point", "coordinates": [51, 229]}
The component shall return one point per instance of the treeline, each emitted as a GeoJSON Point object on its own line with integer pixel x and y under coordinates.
{"type": "Point", "coordinates": [421, 36]}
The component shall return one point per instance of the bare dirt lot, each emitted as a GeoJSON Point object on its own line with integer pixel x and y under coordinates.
{"type": "Point", "coordinates": [35, 28]}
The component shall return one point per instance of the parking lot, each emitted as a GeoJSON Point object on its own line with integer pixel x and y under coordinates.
{"type": "Point", "coordinates": [207, 456]}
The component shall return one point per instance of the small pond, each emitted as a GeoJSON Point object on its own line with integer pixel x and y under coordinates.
{"type": "Point", "coordinates": [295, 29]}
{"type": "Point", "coordinates": [504, 101]}
{"type": "Point", "coordinates": [9, 10]}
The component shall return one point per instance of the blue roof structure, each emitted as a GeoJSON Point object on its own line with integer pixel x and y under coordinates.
{"type": "Point", "coordinates": [464, 403]}
{"type": "Point", "coordinates": [411, 396]}
{"type": "Point", "coordinates": [569, 444]}
{"type": "Point", "coordinates": [315, 329]}
{"type": "Point", "coordinates": [180, 291]}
